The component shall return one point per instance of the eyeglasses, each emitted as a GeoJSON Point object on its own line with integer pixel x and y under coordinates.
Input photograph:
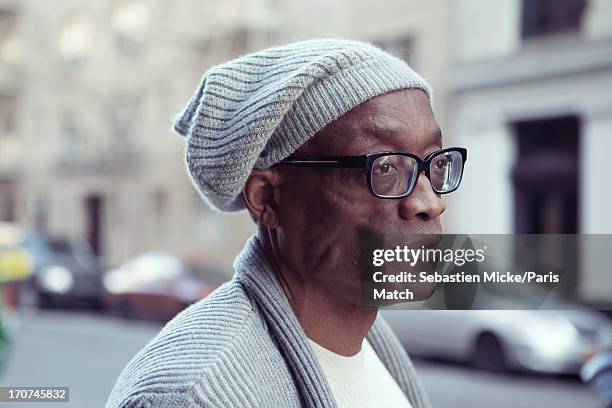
{"type": "Point", "coordinates": [395, 174]}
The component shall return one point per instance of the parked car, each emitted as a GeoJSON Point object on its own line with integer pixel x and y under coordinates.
{"type": "Point", "coordinates": [154, 285]}
{"type": "Point", "coordinates": [54, 270]}
{"type": "Point", "coordinates": [547, 341]}
{"type": "Point", "coordinates": [66, 271]}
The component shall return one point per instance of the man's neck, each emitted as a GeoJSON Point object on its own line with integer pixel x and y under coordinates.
{"type": "Point", "coordinates": [327, 319]}
{"type": "Point", "coordinates": [338, 329]}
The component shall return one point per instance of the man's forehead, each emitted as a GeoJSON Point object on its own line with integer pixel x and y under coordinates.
{"type": "Point", "coordinates": [403, 119]}
{"type": "Point", "coordinates": [408, 107]}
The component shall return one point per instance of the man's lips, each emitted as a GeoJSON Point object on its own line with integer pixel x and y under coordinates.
{"type": "Point", "coordinates": [415, 241]}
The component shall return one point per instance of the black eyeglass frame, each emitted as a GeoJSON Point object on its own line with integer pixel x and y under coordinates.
{"type": "Point", "coordinates": [367, 161]}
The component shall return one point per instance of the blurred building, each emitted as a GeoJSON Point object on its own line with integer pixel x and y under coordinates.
{"type": "Point", "coordinates": [9, 141]}
{"type": "Point", "coordinates": [530, 93]}
{"type": "Point", "coordinates": [88, 91]}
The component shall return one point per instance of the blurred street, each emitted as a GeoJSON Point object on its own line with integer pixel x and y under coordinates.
{"type": "Point", "coordinates": [101, 207]}
{"type": "Point", "coordinates": [86, 352]}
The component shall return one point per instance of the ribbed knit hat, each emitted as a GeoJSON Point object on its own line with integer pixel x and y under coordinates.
{"type": "Point", "coordinates": [256, 110]}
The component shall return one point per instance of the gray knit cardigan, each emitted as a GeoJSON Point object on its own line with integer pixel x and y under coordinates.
{"type": "Point", "coordinates": [242, 346]}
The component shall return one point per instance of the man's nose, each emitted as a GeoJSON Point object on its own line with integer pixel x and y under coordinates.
{"type": "Point", "coordinates": [422, 202]}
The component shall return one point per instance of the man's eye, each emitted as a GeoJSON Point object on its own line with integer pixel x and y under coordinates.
{"type": "Point", "coordinates": [385, 169]}
{"type": "Point", "coordinates": [441, 163]}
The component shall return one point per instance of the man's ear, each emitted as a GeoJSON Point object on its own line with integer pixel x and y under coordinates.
{"type": "Point", "coordinates": [260, 196]}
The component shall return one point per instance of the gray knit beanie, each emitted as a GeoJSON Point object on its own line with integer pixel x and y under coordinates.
{"type": "Point", "coordinates": [256, 110]}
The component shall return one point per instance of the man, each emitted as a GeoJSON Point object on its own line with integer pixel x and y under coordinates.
{"type": "Point", "coordinates": [284, 133]}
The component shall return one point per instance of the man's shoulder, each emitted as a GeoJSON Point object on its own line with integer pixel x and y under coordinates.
{"type": "Point", "coordinates": [191, 347]}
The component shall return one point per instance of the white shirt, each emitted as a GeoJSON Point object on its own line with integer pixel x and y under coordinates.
{"type": "Point", "coordinates": [360, 381]}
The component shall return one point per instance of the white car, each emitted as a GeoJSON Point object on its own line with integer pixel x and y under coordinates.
{"type": "Point", "coordinates": [548, 341]}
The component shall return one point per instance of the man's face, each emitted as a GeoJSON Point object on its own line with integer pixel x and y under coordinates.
{"type": "Point", "coordinates": [323, 210]}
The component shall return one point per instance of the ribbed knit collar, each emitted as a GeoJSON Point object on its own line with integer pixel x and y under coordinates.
{"type": "Point", "coordinates": [255, 273]}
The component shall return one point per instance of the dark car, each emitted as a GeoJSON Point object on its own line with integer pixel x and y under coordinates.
{"type": "Point", "coordinates": [66, 271]}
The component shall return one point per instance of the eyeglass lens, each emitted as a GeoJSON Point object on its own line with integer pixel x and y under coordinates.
{"type": "Point", "coordinates": [445, 171]}
{"type": "Point", "coordinates": [395, 175]}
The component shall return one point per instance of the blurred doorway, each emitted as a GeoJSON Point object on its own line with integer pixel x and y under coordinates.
{"type": "Point", "coordinates": [94, 212]}
{"type": "Point", "coordinates": [545, 176]}
{"type": "Point", "coordinates": [546, 183]}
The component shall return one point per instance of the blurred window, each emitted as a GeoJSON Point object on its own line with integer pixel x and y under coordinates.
{"type": "Point", "coordinates": [8, 113]}
{"type": "Point", "coordinates": [72, 143]}
{"type": "Point", "coordinates": [8, 189]}
{"type": "Point", "coordinates": [9, 43]}
{"type": "Point", "coordinates": [160, 204]}
{"type": "Point", "coordinates": [240, 40]}
{"type": "Point", "coordinates": [160, 199]}
{"type": "Point", "coordinates": [76, 38]}
{"type": "Point", "coordinates": [545, 17]}
{"type": "Point", "coordinates": [7, 200]}
{"type": "Point", "coordinates": [40, 209]}
{"type": "Point", "coordinates": [130, 23]}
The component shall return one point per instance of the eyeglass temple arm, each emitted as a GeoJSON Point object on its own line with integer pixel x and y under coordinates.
{"type": "Point", "coordinates": [326, 161]}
